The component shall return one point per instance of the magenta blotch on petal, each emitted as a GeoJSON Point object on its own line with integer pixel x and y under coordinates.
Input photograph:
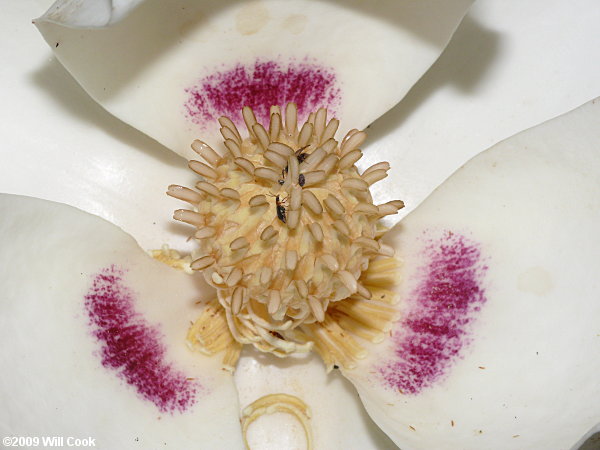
{"type": "Point", "coordinates": [260, 85]}
{"type": "Point", "coordinates": [132, 347]}
{"type": "Point", "coordinates": [439, 312]}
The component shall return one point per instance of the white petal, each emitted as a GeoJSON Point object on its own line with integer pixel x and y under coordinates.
{"type": "Point", "coordinates": [59, 145]}
{"type": "Point", "coordinates": [499, 341]}
{"type": "Point", "coordinates": [97, 13]}
{"type": "Point", "coordinates": [93, 334]}
{"type": "Point", "coordinates": [171, 72]}
{"type": "Point", "coordinates": [501, 73]}
{"type": "Point", "coordinates": [338, 418]}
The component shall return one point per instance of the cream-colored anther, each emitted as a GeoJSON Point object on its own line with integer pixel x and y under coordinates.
{"type": "Point", "coordinates": [203, 262]}
{"type": "Point", "coordinates": [245, 164]}
{"type": "Point", "coordinates": [209, 188]}
{"type": "Point", "coordinates": [306, 133]}
{"type": "Point", "coordinates": [228, 123]}
{"type": "Point", "coordinates": [228, 133]}
{"type": "Point", "coordinates": [203, 169]}
{"type": "Point", "coordinates": [374, 176]}
{"type": "Point", "coordinates": [261, 135]}
{"type": "Point", "coordinates": [190, 217]}
{"type": "Point", "coordinates": [276, 159]}
{"type": "Point", "coordinates": [234, 148]}
{"type": "Point", "coordinates": [330, 262]}
{"type": "Point", "coordinates": [206, 151]}
{"type": "Point", "coordinates": [312, 178]}
{"type": "Point", "coordinates": [239, 243]}
{"type": "Point", "coordinates": [268, 233]}
{"type": "Point", "coordinates": [229, 193]}
{"type": "Point", "coordinates": [234, 277]}
{"type": "Point", "coordinates": [205, 233]}
{"type": "Point", "coordinates": [258, 200]}
{"type": "Point", "coordinates": [311, 202]}
{"type": "Point", "coordinates": [316, 231]}
{"type": "Point", "coordinates": [267, 174]}
{"type": "Point", "coordinates": [184, 194]}
{"type": "Point", "coordinates": [334, 206]}
{"type": "Point", "coordinates": [291, 259]}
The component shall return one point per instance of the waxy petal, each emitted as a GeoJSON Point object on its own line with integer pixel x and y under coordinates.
{"type": "Point", "coordinates": [94, 338]}
{"type": "Point", "coordinates": [338, 419]}
{"type": "Point", "coordinates": [497, 347]}
{"type": "Point", "coordinates": [58, 144]}
{"type": "Point", "coordinates": [501, 73]}
{"type": "Point", "coordinates": [172, 71]}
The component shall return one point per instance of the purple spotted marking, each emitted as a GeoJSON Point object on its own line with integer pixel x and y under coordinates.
{"type": "Point", "coordinates": [260, 85]}
{"type": "Point", "coordinates": [132, 347]}
{"type": "Point", "coordinates": [439, 312]}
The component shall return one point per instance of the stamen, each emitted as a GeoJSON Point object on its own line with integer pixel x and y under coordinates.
{"type": "Point", "coordinates": [228, 133]}
{"type": "Point", "coordinates": [330, 130]}
{"type": "Point", "coordinates": [268, 233]}
{"type": "Point", "coordinates": [239, 243]}
{"type": "Point", "coordinates": [330, 262]}
{"type": "Point", "coordinates": [276, 159]}
{"type": "Point", "coordinates": [295, 198]}
{"type": "Point", "coordinates": [310, 201]}
{"type": "Point", "coordinates": [202, 169]}
{"type": "Point", "coordinates": [379, 166]}
{"type": "Point", "coordinates": [237, 299]}
{"type": "Point", "coordinates": [205, 150]}
{"type": "Point", "coordinates": [291, 119]}
{"type": "Point", "coordinates": [249, 118]}
{"type": "Point", "coordinates": [355, 183]}
{"type": "Point", "coordinates": [266, 174]}
{"type": "Point", "coordinates": [190, 217]}
{"type": "Point", "coordinates": [230, 193]}
{"type": "Point", "coordinates": [316, 231]}
{"type": "Point", "coordinates": [203, 263]}
{"type": "Point", "coordinates": [317, 308]}
{"type": "Point", "coordinates": [312, 178]}
{"type": "Point", "coordinates": [245, 165]}
{"type": "Point", "coordinates": [305, 134]}
{"type": "Point", "coordinates": [349, 159]}
{"type": "Point", "coordinates": [184, 194]}
{"type": "Point", "coordinates": [234, 148]}
{"type": "Point", "coordinates": [228, 123]}
{"type": "Point", "coordinates": [374, 176]}
{"type": "Point", "coordinates": [334, 206]}
{"type": "Point", "coordinates": [261, 135]}
{"type": "Point", "coordinates": [354, 141]}
{"type": "Point", "coordinates": [265, 275]}
{"type": "Point", "coordinates": [274, 127]}
{"type": "Point", "coordinates": [314, 159]}
{"type": "Point", "coordinates": [205, 233]}
{"type": "Point", "coordinates": [281, 149]}
{"type": "Point", "coordinates": [291, 259]}
{"type": "Point", "coordinates": [293, 217]}
{"type": "Point", "coordinates": [208, 188]}
{"type": "Point", "coordinates": [320, 119]}
{"type": "Point", "coordinates": [366, 208]}
{"type": "Point", "coordinates": [328, 163]}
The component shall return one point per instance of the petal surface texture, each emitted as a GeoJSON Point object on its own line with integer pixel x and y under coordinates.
{"type": "Point", "coordinates": [171, 69]}
{"type": "Point", "coordinates": [94, 338]}
{"type": "Point", "coordinates": [338, 419]}
{"type": "Point", "coordinates": [499, 339]}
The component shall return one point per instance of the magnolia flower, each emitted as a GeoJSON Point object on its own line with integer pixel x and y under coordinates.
{"type": "Point", "coordinates": [95, 330]}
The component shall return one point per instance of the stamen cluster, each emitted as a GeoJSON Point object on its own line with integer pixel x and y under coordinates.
{"type": "Point", "coordinates": [286, 226]}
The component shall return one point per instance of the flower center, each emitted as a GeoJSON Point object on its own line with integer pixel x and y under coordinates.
{"type": "Point", "coordinates": [288, 235]}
